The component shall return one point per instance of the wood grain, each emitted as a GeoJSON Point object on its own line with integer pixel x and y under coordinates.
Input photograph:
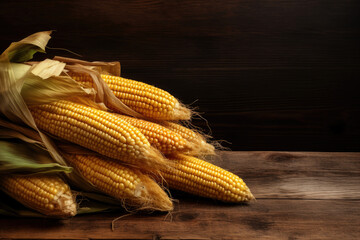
{"type": "Point", "coordinates": [300, 195]}
{"type": "Point", "coordinates": [297, 175]}
{"type": "Point", "coordinates": [266, 75]}
{"type": "Point", "coordinates": [265, 219]}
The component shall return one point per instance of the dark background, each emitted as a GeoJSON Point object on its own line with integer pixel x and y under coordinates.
{"type": "Point", "coordinates": [267, 75]}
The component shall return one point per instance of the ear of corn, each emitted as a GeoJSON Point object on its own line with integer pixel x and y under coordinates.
{"type": "Point", "coordinates": [150, 101]}
{"type": "Point", "coordinates": [201, 178]}
{"type": "Point", "coordinates": [117, 138]}
{"type": "Point", "coordinates": [201, 147]}
{"type": "Point", "coordinates": [48, 195]}
{"type": "Point", "coordinates": [99, 131]}
{"type": "Point", "coordinates": [121, 182]}
{"type": "Point", "coordinates": [162, 138]}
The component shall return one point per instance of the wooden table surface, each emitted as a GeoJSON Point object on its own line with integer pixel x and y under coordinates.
{"type": "Point", "coordinates": [300, 195]}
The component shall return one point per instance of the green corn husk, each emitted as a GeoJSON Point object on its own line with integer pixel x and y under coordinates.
{"type": "Point", "coordinates": [20, 158]}
{"type": "Point", "coordinates": [30, 83]}
{"type": "Point", "coordinates": [17, 157]}
{"type": "Point", "coordinates": [25, 158]}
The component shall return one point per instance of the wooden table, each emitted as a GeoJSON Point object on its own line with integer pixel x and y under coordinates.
{"type": "Point", "coordinates": [300, 195]}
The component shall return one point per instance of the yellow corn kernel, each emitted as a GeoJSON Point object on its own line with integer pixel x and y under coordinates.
{"type": "Point", "coordinates": [99, 131]}
{"type": "Point", "coordinates": [167, 141]}
{"type": "Point", "coordinates": [121, 182]}
{"type": "Point", "coordinates": [193, 175]}
{"type": "Point", "coordinates": [201, 147]}
{"type": "Point", "coordinates": [48, 195]}
{"type": "Point", "coordinates": [150, 101]}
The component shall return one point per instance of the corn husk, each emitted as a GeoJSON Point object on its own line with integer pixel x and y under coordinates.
{"type": "Point", "coordinates": [104, 93]}
{"type": "Point", "coordinates": [15, 115]}
{"type": "Point", "coordinates": [20, 158]}
{"type": "Point", "coordinates": [24, 84]}
{"type": "Point", "coordinates": [31, 84]}
{"type": "Point", "coordinates": [25, 158]}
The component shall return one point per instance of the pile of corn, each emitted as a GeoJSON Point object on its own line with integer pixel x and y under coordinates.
{"type": "Point", "coordinates": [133, 160]}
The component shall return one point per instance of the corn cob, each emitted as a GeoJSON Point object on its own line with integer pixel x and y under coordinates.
{"type": "Point", "coordinates": [48, 195]}
{"type": "Point", "coordinates": [167, 141]}
{"type": "Point", "coordinates": [121, 182]}
{"type": "Point", "coordinates": [201, 178]}
{"type": "Point", "coordinates": [150, 101]}
{"type": "Point", "coordinates": [99, 131]}
{"type": "Point", "coordinates": [196, 139]}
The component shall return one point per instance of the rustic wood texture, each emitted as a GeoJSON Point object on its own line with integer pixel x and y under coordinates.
{"type": "Point", "coordinates": [300, 195]}
{"type": "Point", "coordinates": [268, 75]}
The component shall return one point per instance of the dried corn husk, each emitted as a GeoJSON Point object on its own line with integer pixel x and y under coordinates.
{"type": "Point", "coordinates": [32, 83]}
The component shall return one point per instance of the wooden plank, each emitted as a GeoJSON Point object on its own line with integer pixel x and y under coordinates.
{"type": "Point", "coordinates": [285, 34]}
{"type": "Point", "coordinates": [204, 219]}
{"type": "Point", "coordinates": [300, 195]}
{"type": "Point", "coordinates": [305, 175]}
{"type": "Point", "coordinates": [282, 129]}
{"type": "Point", "coordinates": [287, 70]}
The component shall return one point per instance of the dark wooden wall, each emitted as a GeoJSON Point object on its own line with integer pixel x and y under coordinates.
{"type": "Point", "coordinates": [267, 75]}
